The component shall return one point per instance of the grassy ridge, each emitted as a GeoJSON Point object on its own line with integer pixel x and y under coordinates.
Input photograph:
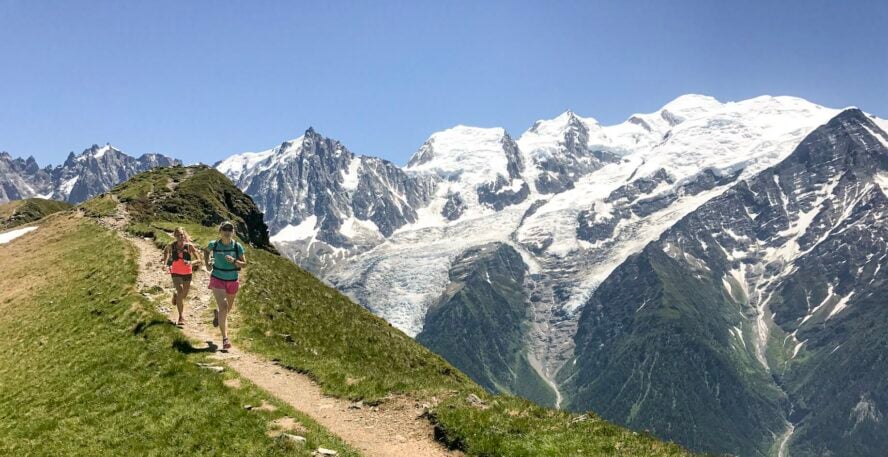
{"type": "Point", "coordinates": [197, 195]}
{"type": "Point", "coordinates": [89, 368]}
{"type": "Point", "coordinates": [20, 212]}
{"type": "Point", "coordinates": [287, 314]}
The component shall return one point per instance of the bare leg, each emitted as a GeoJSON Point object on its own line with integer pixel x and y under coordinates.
{"type": "Point", "coordinates": [223, 315]}
{"type": "Point", "coordinates": [179, 298]}
{"type": "Point", "coordinates": [186, 286]}
{"type": "Point", "coordinates": [231, 298]}
{"type": "Point", "coordinates": [222, 304]}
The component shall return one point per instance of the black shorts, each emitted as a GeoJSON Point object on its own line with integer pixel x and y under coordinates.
{"type": "Point", "coordinates": [178, 279]}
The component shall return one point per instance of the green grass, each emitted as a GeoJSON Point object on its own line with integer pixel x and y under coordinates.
{"type": "Point", "coordinates": [515, 427]}
{"type": "Point", "coordinates": [101, 206]}
{"type": "Point", "coordinates": [287, 314]}
{"type": "Point", "coordinates": [89, 368]}
{"type": "Point", "coordinates": [20, 212]}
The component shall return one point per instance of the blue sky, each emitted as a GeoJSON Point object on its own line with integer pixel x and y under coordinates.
{"type": "Point", "coordinates": [202, 80]}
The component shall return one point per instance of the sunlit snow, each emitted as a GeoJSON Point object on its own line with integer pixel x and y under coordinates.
{"type": "Point", "coordinates": [6, 237]}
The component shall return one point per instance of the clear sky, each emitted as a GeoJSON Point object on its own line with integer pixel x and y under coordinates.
{"type": "Point", "coordinates": [202, 80]}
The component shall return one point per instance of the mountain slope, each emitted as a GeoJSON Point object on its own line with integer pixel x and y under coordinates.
{"type": "Point", "coordinates": [576, 200]}
{"type": "Point", "coordinates": [18, 212]}
{"type": "Point", "coordinates": [619, 206]}
{"type": "Point", "coordinates": [749, 300]}
{"type": "Point", "coordinates": [484, 307]}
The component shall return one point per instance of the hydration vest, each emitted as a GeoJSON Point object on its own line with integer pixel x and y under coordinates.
{"type": "Point", "coordinates": [180, 259]}
{"type": "Point", "coordinates": [235, 248]}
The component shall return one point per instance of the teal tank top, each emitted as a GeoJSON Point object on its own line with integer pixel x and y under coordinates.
{"type": "Point", "coordinates": [223, 269]}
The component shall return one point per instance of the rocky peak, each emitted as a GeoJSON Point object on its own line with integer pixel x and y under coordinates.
{"type": "Point", "coordinates": [79, 177]}
{"type": "Point", "coordinates": [70, 161]}
{"type": "Point", "coordinates": [31, 165]}
{"type": "Point", "coordinates": [319, 198]}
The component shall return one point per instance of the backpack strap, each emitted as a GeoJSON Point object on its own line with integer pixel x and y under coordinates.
{"type": "Point", "coordinates": [236, 256]}
{"type": "Point", "coordinates": [174, 251]}
{"type": "Point", "coordinates": [172, 256]}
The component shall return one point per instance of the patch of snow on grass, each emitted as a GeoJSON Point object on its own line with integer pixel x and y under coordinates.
{"type": "Point", "coordinates": [6, 237]}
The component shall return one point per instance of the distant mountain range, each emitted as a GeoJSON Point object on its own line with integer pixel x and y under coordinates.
{"type": "Point", "coordinates": [660, 271]}
{"type": "Point", "coordinates": [80, 177]}
{"type": "Point", "coordinates": [711, 272]}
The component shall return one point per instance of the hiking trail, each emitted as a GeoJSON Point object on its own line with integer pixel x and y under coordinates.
{"type": "Point", "coordinates": [393, 428]}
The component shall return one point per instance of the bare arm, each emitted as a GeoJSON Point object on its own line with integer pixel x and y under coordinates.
{"type": "Point", "coordinates": [166, 254]}
{"type": "Point", "coordinates": [206, 258]}
{"type": "Point", "coordinates": [196, 258]}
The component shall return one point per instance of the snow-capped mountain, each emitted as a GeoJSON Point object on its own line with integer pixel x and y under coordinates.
{"type": "Point", "coordinates": [95, 170]}
{"type": "Point", "coordinates": [324, 203]}
{"type": "Point", "coordinates": [20, 178]}
{"type": "Point", "coordinates": [478, 170]}
{"type": "Point", "coordinates": [766, 306]}
{"type": "Point", "coordinates": [571, 198]}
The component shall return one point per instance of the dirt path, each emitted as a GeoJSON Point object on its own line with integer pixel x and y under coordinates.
{"type": "Point", "coordinates": [394, 428]}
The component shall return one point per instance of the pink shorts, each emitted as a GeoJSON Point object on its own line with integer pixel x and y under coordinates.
{"type": "Point", "coordinates": [229, 286]}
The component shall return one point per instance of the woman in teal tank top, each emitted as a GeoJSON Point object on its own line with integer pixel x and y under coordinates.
{"type": "Point", "coordinates": [226, 256]}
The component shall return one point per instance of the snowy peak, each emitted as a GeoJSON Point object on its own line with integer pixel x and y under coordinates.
{"type": "Point", "coordinates": [560, 151]}
{"type": "Point", "coordinates": [639, 131]}
{"type": "Point", "coordinates": [99, 152]}
{"type": "Point", "coordinates": [81, 176]}
{"type": "Point", "coordinates": [480, 169]}
{"type": "Point", "coordinates": [94, 152]}
{"type": "Point", "coordinates": [243, 166]}
{"type": "Point", "coordinates": [462, 149]}
{"type": "Point", "coordinates": [322, 201]}
{"type": "Point", "coordinates": [238, 165]}
{"type": "Point", "coordinates": [97, 169]}
{"type": "Point", "coordinates": [688, 106]}
{"type": "Point", "coordinates": [565, 121]}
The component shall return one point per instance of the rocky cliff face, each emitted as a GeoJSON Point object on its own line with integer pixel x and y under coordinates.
{"type": "Point", "coordinates": [323, 201]}
{"type": "Point", "coordinates": [21, 179]}
{"type": "Point", "coordinates": [94, 171]}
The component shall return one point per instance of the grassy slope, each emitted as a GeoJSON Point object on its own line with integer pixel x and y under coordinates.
{"type": "Point", "coordinates": [622, 351]}
{"type": "Point", "coordinates": [492, 317]}
{"type": "Point", "coordinates": [89, 369]}
{"type": "Point", "coordinates": [20, 212]}
{"type": "Point", "coordinates": [289, 315]}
